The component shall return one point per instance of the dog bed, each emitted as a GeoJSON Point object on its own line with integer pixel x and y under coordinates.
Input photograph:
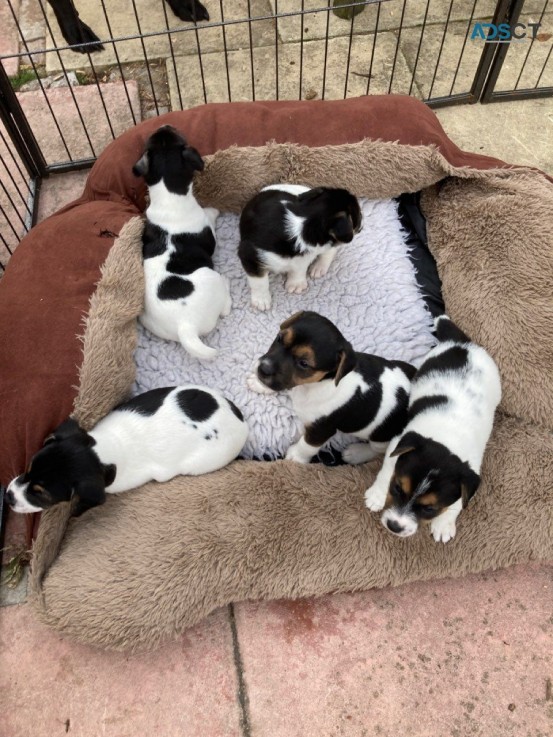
{"type": "Point", "coordinates": [360, 294]}
{"type": "Point", "coordinates": [151, 562]}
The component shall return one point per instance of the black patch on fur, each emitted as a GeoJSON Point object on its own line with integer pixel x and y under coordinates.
{"type": "Point", "coordinates": [362, 407]}
{"type": "Point", "coordinates": [453, 359]}
{"type": "Point", "coordinates": [236, 411]}
{"type": "Point", "coordinates": [175, 288]}
{"type": "Point", "coordinates": [192, 251]}
{"type": "Point", "coordinates": [395, 422]}
{"type": "Point", "coordinates": [154, 241]}
{"type": "Point", "coordinates": [196, 404]}
{"type": "Point", "coordinates": [146, 404]}
{"type": "Point", "coordinates": [425, 403]}
{"type": "Point", "coordinates": [263, 223]}
{"type": "Point", "coordinates": [447, 330]}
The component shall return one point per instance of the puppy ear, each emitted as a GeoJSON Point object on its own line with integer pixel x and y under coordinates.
{"type": "Point", "coordinates": [191, 156]}
{"type": "Point", "coordinates": [410, 441]}
{"type": "Point", "coordinates": [342, 228]}
{"type": "Point", "coordinates": [346, 362]}
{"type": "Point", "coordinates": [311, 194]}
{"type": "Point", "coordinates": [140, 169]}
{"type": "Point", "coordinates": [90, 493]}
{"type": "Point", "coordinates": [109, 472]}
{"type": "Point", "coordinates": [68, 429]}
{"type": "Point", "coordinates": [291, 320]}
{"type": "Point", "coordinates": [469, 484]}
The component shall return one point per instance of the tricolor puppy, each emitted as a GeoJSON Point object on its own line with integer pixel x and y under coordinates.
{"type": "Point", "coordinates": [287, 227]}
{"type": "Point", "coordinates": [184, 296]}
{"type": "Point", "coordinates": [334, 388]}
{"type": "Point", "coordinates": [430, 471]}
{"type": "Point", "coordinates": [157, 435]}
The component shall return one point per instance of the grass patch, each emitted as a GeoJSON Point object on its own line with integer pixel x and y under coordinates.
{"type": "Point", "coordinates": [15, 567]}
{"type": "Point", "coordinates": [22, 77]}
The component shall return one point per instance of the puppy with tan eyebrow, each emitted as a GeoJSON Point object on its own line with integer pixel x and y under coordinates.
{"type": "Point", "coordinates": [431, 470]}
{"type": "Point", "coordinates": [333, 388]}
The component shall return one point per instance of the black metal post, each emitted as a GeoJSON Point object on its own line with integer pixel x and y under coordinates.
{"type": "Point", "coordinates": [19, 129]}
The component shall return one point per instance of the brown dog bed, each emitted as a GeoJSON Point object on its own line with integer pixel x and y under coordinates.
{"type": "Point", "coordinates": [152, 562]}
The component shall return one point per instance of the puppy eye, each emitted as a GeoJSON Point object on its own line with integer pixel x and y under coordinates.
{"type": "Point", "coordinates": [427, 510]}
{"type": "Point", "coordinates": [302, 363]}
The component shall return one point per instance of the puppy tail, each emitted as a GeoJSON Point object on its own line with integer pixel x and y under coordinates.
{"type": "Point", "coordinates": [192, 343]}
{"type": "Point", "coordinates": [445, 329]}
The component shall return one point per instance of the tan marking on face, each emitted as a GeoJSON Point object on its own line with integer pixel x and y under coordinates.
{"type": "Point", "coordinates": [306, 353]}
{"type": "Point", "coordinates": [406, 484]}
{"type": "Point", "coordinates": [287, 336]}
{"type": "Point", "coordinates": [315, 376]}
{"type": "Point", "coordinates": [428, 499]}
{"type": "Point", "coordinates": [38, 489]}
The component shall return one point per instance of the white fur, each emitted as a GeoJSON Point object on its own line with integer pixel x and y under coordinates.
{"type": "Point", "coordinates": [368, 311]}
{"type": "Point", "coordinates": [160, 446]}
{"type": "Point", "coordinates": [183, 320]}
{"type": "Point", "coordinates": [463, 425]}
{"type": "Point", "coordinates": [322, 398]}
{"type": "Point", "coordinates": [295, 267]}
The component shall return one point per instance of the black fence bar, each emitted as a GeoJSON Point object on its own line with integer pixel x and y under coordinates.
{"type": "Point", "coordinates": [362, 40]}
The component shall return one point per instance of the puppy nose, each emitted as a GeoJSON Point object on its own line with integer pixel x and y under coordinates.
{"type": "Point", "coordinates": [9, 497]}
{"type": "Point", "coordinates": [266, 367]}
{"type": "Point", "coordinates": [394, 526]}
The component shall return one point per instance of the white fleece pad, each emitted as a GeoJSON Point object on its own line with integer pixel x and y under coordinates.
{"type": "Point", "coordinates": [370, 293]}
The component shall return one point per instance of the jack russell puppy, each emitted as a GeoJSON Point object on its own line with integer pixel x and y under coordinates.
{"type": "Point", "coordinates": [184, 296]}
{"type": "Point", "coordinates": [334, 388]}
{"type": "Point", "coordinates": [286, 228]}
{"type": "Point", "coordinates": [431, 470]}
{"type": "Point", "coordinates": [155, 436]}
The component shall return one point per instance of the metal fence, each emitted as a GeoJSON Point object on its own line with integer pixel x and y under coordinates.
{"type": "Point", "coordinates": [59, 108]}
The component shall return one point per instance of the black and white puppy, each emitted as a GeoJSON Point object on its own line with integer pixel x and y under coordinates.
{"type": "Point", "coordinates": [184, 296]}
{"type": "Point", "coordinates": [334, 388]}
{"type": "Point", "coordinates": [431, 470]}
{"type": "Point", "coordinates": [186, 430]}
{"type": "Point", "coordinates": [285, 227]}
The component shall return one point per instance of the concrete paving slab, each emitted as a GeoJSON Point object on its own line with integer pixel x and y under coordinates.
{"type": "Point", "coordinates": [388, 15]}
{"type": "Point", "coordinates": [289, 65]}
{"type": "Point", "coordinates": [50, 686]}
{"type": "Point", "coordinates": [94, 118]}
{"type": "Point", "coordinates": [151, 18]}
{"type": "Point", "coordinates": [59, 190]}
{"type": "Point", "coordinates": [9, 39]}
{"type": "Point", "coordinates": [31, 20]}
{"type": "Point", "coordinates": [523, 67]}
{"type": "Point", "coordinates": [11, 595]}
{"type": "Point", "coordinates": [15, 208]}
{"type": "Point", "coordinates": [518, 132]}
{"type": "Point", "coordinates": [446, 658]}
{"type": "Point", "coordinates": [446, 52]}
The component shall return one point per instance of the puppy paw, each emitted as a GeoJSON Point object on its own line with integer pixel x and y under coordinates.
{"type": "Point", "coordinates": [443, 529]}
{"type": "Point", "coordinates": [375, 497]}
{"type": "Point", "coordinates": [261, 302]}
{"type": "Point", "coordinates": [319, 268]}
{"type": "Point", "coordinates": [358, 453]}
{"type": "Point", "coordinates": [296, 287]}
{"type": "Point", "coordinates": [254, 385]}
{"type": "Point", "coordinates": [293, 454]}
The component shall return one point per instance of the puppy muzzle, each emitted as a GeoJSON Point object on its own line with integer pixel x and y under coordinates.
{"type": "Point", "coordinates": [399, 523]}
{"type": "Point", "coordinates": [267, 373]}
